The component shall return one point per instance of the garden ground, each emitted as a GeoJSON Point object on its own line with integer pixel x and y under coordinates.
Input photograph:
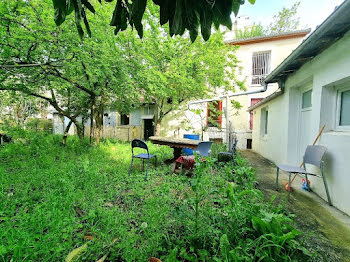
{"type": "Point", "coordinates": [329, 228]}
{"type": "Point", "coordinates": [57, 200]}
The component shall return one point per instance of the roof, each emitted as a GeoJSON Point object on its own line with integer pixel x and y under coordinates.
{"type": "Point", "coordinates": [326, 34]}
{"type": "Point", "coordinates": [266, 99]}
{"type": "Point", "coordinates": [272, 37]}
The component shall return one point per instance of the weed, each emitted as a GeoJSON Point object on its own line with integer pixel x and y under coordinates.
{"type": "Point", "coordinates": [54, 200]}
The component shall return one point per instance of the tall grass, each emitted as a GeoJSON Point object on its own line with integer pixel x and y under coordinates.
{"type": "Point", "coordinates": [54, 199]}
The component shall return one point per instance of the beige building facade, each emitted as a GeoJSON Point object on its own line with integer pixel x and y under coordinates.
{"type": "Point", "coordinates": [258, 56]}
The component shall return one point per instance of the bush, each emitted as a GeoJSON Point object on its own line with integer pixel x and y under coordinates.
{"type": "Point", "coordinates": [37, 124]}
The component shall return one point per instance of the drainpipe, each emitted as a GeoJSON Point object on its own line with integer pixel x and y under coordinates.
{"type": "Point", "coordinates": [263, 89]}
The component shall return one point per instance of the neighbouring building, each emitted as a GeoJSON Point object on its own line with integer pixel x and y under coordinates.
{"type": "Point", "coordinates": [314, 90]}
{"type": "Point", "coordinates": [138, 124]}
{"type": "Point", "coordinates": [258, 57]}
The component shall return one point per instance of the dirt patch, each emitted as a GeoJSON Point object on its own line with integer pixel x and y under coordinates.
{"type": "Point", "coordinates": [326, 234]}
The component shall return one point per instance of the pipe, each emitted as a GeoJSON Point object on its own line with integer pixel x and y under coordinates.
{"type": "Point", "coordinates": [263, 89]}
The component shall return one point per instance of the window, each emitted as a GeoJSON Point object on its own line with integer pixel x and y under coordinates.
{"type": "Point", "coordinates": [343, 109]}
{"type": "Point", "coordinates": [253, 101]}
{"type": "Point", "coordinates": [264, 121]}
{"type": "Point", "coordinates": [214, 114]}
{"type": "Point", "coordinates": [306, 99]}
{"type": "Point", "coordinates": [260, 66]}
{"type": "Point", "coordinates": [124, 120]}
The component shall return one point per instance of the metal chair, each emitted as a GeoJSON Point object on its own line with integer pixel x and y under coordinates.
{"type": "Point", "coordinates": [228, 156]}
{"type": "Point", "coordinates": [203, 148]}
{"type": "Point", "coordinates": [140, 144]}
{"type": "Point", "coordinates": [313, 155]}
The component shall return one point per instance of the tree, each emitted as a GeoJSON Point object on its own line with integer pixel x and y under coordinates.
{"type": "Point", "coordinates": [53, 64]}
{"type": "Point", "coordinates": [180, 15]}
{"type": "Point", "coordinates": [248, 32]}
{"type": "Point", "coordinates": [286, 20]}
{"type": "Point", "coordinates": [176, 71]}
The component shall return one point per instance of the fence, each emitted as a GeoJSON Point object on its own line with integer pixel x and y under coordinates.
{"type": "Point", "coordinates": [123, 133]}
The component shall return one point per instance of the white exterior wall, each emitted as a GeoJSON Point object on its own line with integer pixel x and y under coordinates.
{"type": "Point", "coordinates": [184, 121]}
{"type": "Point", "coordinates": [280, 49]}
{"type": "Point", "coordinates": [324, 73]}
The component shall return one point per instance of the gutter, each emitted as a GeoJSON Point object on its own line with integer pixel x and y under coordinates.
{"type": "Point", "coordinates": [275, 94]}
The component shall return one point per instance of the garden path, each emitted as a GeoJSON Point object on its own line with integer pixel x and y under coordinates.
{"type": "Point", "coordinates": [329, 228]}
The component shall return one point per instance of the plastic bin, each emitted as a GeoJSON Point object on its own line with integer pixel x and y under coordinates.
{"type": "Point", "coordinates": [189, 151]}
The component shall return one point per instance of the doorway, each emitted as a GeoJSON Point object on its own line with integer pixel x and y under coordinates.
{"type": "Point", "coordinates": [305, 121]}
{"type": "Point", "coordinates": [148, 128]}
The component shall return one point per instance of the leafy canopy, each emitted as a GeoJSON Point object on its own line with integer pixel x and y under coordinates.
{"type": "Point", "coordinates": [180, 15]}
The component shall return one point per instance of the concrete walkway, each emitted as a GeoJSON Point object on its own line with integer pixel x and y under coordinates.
{"type": "Point", "coordinates": [329, 229]}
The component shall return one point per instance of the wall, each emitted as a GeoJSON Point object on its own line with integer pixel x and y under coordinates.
{"type": "Point", "coordinates": [240, 119]}
{"type": "Point", "coordinates": [326, 72]}
{"type": "Point", "coordinates": [183, 121]}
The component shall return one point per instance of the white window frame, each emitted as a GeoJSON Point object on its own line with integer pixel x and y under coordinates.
{"type": "Point", "coordinates": [301, 98]}
{"type": "Point", "coordinates": [338, 127]}
{"type": "Point", "coordinates": [264, 122]}
{"type": "Point", "coordinates": [262, 76]}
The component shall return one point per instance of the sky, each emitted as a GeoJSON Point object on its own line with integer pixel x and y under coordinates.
{"type": "Point", "coordinates": [311, 12]}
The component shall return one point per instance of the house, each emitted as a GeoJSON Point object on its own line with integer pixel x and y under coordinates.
{"type": "Point", "coordinates": [138, 124]}
{"type": "Point", "coordinates": [258, 56]}
{"type": "Point", "coordinates": [314, 90]}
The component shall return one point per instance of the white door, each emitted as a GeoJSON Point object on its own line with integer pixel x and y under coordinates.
{"type": "Point", "coordinates": [305, 108]}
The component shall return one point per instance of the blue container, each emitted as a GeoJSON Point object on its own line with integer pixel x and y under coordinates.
{"type": "Point", "coordinates": [189, 151]}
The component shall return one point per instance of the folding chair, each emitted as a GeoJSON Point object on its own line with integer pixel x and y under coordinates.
{"type": "Point", "coordinates": [140, 144]}
{"type": "Point", "coordinates": [203, 148]}
{"type": "Point", "coordinates": [313, 155]}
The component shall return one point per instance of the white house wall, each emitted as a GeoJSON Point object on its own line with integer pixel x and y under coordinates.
{"type": "Point", "coordinates": [325, 72]}
{"type": "Point", "coordinates": [183, 121]}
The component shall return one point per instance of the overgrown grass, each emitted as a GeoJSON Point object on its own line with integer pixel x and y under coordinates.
{"type": "Point", "coordinates": [54, 199]}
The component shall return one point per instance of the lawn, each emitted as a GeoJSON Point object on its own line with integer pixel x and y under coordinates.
{"type": "Point", "coordinates": [55, 199]}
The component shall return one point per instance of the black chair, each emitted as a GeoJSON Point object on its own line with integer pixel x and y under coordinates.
{"type": "Point", "coordinates": [140, 144]}
{"type": "Point", "coordinates": [228, 156]}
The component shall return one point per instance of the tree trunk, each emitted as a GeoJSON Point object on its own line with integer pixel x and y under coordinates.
{"type": "Point", "coordinates": [80, 130]}
{"type": "Point", "coordinates": [99, 124]}
{"type": "Point", "coordinates": [65, 134]}
{"type": "Point", "coordinates": [92, 121]}
{"type": "Point", "coordinates": [157, 131]}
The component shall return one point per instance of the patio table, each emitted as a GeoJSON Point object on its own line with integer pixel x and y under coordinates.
{"type": "Point", "coordinates": [176, 143]}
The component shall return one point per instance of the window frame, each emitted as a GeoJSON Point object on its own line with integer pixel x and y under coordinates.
{"type": "Point", "coordinates": [264, 121]}
{"type": "Point", "coordinates": [121, 117]}
{"type": "Point", "coordinates": [219, 120]}
{"type": "Point", "coordinates": [261, 76]}
{"type": "Point", "coordinates": [339, 127]}
{"type": "Point", "coordinates": [301, 102]}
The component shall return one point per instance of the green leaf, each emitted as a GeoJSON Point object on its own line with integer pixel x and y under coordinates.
{"type": "Point", "coordinates": [206, 19]}
{"type": "Point", "coordinates": [76, 253]}
{"type": "Point", "coordinates": [60, 11]}
{"type": "Point", "coordinates": [78, 11]}
{"type": "Point", "coordinates": [224, 247]}
{"type": "Point", "coordinates": [88, 6]}
{"type": "Point", "coordinates": [164, 12]}
{"type": "Point", "coordinates": [235, 6]}
{"type": "Point", "coordinates": [251, 1]}
{"type": "Point", "coordinates": [138, 9]}
{"type": "Point", "coordinates": [87, 26]}
{"type": "Point", "coordinates": [178, 25]}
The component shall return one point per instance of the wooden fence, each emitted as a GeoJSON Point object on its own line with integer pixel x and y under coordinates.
{"type": "Point", "coordinates": [123, 133]}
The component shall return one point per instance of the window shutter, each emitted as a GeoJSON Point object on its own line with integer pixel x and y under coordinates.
{"type": "Point", "coordinates": [220, 109]}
